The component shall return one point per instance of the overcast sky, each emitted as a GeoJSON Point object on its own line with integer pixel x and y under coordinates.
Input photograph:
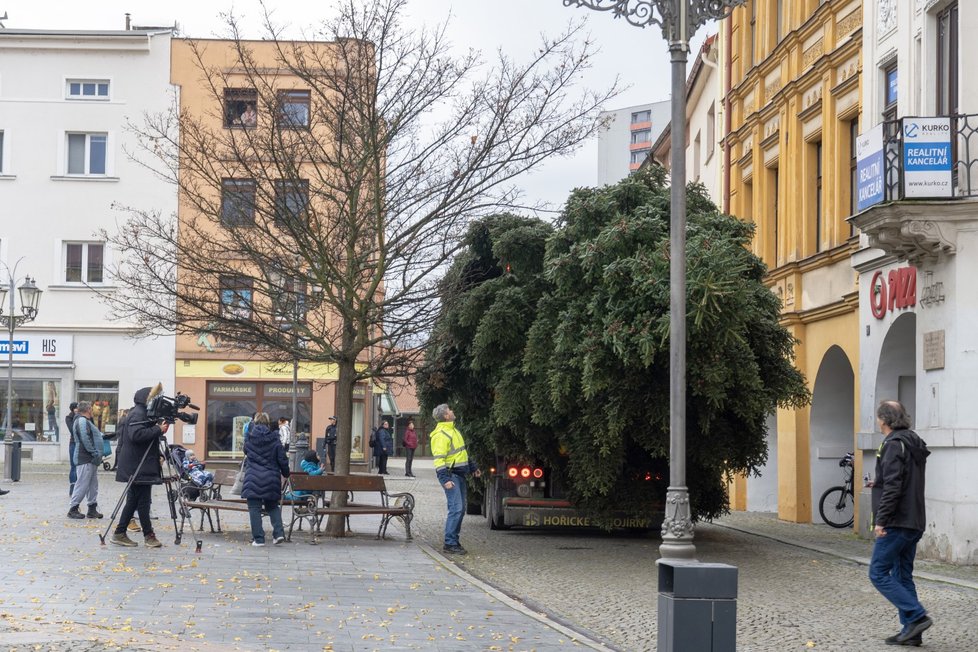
{"type": "Point", "coordinates": [638, 56]}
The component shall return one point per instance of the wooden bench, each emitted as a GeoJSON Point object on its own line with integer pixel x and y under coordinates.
{"type": "Point", "coordinates": [215, 499]}
{"type": "Point", "coordinates": [317, 505]}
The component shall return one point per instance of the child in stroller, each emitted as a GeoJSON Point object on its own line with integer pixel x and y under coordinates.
{"type": "Point", "coordinates": [191, 468]}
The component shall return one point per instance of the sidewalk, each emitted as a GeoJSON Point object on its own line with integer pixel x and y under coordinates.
{"type": "Point", "coordinates": [63, 591]}
{"type": "Point", "coordinates": [844, 544]}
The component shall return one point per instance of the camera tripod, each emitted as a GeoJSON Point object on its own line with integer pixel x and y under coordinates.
{"type": "Point", "coordinates": [169, 477]}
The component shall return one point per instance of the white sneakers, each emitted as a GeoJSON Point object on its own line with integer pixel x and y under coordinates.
{"type": "Point", "coordinates": [279, 540]}
{"type": "Point", "coordinates": [258, 544]}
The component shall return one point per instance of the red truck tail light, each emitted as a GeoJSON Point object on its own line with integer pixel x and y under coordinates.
{"type": "Point", "coordinates": [537, 473]}
{"type": "Point", "coordinates": [512, 472]}
{"type": "Point", "coordinates": [525, 472]}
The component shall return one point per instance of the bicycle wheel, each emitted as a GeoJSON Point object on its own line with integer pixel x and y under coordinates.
{"type": "Point", "coordinates": [836, 507]}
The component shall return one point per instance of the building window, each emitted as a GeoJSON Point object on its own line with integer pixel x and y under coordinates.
{"type": "Point", "coordinates": [104, 397]}
{"type": "Point", "coordinates": [237, 202]}
{"type": "Point", "coordinates": [291, 200]}
{"type": "Point", "coordinates": [641, 136]}
{"type": "Point", "coordinates": [237, 293]}
{"type": "Point", "coordinates": [775, 217]}
{"type": "Point", "coordinates": [86, 154]}
{"type": "Point", "coordinates": [753, 31]}
{"type": "Point", "coordinates": [240, 107]}
{"type": "Point", "coordinates": [293, 109]}
{"type": "Point", "coordinates": [947, 60]}
{"type": "Point", "coordinates": [642, 116]}
{"type": "Point", "coordinates": [696, 157]}
{"type": "Point", "coordinates": [84, 262]}
{"type": "Point", "coordinates": [1, 152]}
{"type": "Point", "coordinates": [36, 410]}
{"type": "Point", "coordinates": [853, 175]}
{"type": "Point", "coordinates": [231, 405]}
{"type": "Point", "coordinates": [288, 299]}
{"type": "Point", "coordinates": [87, 89]}
{"type": "Point", "coordinates": [890, 88]}
{"type": "Point", "coordinates": [711, 131]}
{"type": "Point", "coordinates": [819, 221]}
{"type": "Point", "coordinates": [779, 19]}
{"type": "Point", "coordinates": [638, 157]}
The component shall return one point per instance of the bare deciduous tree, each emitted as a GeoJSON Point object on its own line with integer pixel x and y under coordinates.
{"type": "Point", "coordinates": [313, 223]}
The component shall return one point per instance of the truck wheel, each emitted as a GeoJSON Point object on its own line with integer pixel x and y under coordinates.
{"type": "Point", "coordinates": [494, 509]}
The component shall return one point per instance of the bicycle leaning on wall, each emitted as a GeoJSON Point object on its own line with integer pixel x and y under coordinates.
{"type": "Point", "coordinates": [837, 505]}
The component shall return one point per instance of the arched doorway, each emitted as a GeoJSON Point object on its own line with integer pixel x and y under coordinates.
{"type": "Point", "coordinates": [832, 422]}
{"type": "Point", "coordinates": [896, 376]}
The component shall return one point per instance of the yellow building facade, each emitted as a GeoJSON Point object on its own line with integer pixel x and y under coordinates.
{"type": "Point", "coordinates": [794, 102]}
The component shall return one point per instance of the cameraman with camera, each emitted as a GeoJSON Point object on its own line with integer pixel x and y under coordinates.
{"type": "Point", "coordinates": [139, 439]}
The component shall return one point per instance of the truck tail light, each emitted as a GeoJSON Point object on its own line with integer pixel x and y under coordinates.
{"type": "Point", "coordinates": [525, 472]}
{"type": "Point", "coordinates": [537, 473]}
{"type": "Point", "coordinates": [512, 472]}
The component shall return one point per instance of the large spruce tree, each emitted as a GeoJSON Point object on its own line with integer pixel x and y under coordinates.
{"type": "Point", "coordinates": [553, 343]}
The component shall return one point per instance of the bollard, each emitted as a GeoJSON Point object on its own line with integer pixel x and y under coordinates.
{"type": "Point", "coordinates": [300, 447]}
{"type": "Point", "coordinates": [697, 606]}
{"type": "Point", "coordinates": [12, 455]}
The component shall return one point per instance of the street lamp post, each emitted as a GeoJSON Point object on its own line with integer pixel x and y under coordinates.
{"type": "Point", "coordinates": [679, 20]}
{"type": "Point", "coordinates": [30, 297]}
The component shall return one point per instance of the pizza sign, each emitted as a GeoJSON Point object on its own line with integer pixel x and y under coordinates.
{"type": "Point", "coordinates": [896, 290]}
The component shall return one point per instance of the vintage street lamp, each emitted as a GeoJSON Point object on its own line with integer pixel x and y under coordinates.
{"type": "Point", "coordinates": [679, 20]}
{"type": "Point", "coordinates": [30, 297]}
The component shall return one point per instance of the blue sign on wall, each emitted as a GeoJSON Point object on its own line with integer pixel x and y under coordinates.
{"type": "Point", "coordinates": [869, 168]}
{"type": "Point", "coordinates": [927, 162]}
{"type": "Point", "coordinates": [21, 347]}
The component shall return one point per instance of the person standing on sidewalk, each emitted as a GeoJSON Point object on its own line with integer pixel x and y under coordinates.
{"type": "Point", "coordinates": [410, 442]}
{"type": "Point", "coordinates": [265, 466]}
{"type": "Point", "coordinates": [385, 446]}
{"type": "Point", "coordinates": [453, 468]}
{"type": "Point", "coordinates": [331, 443]}
{"type": "Point", "coordinates": [72, 472]}
{"type": "Point", "coordinates": [899, 519]}
{"type": "Point", "coordinates": [140, 437]}
{"type": "Point", "coordinates": [87, 458]}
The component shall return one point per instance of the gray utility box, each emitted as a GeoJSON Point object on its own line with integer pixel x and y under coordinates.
{"type": "Point", "coordinates": [697, 606]}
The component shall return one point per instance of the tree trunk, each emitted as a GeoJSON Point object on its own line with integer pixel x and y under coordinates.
{"type": "Point", "coordinates": [336, 525]}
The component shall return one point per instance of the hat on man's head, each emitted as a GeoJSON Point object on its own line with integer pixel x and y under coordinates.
{"type": "Point", "coordinates": [333, 418]}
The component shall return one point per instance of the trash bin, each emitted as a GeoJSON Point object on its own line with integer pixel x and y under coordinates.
{"type": "Point", "coordinates": [301, 447]}
{"type": "Point", "coordinates": [12, 457]}
{"type": "Point", "coordinates": [697, 606]}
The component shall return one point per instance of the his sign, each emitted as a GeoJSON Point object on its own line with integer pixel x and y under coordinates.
{"type": "Point", "coordinates": [869, 168]}
{"type": "Point", "coordinates": [927, 157]}
{"type": "Point", "coordinates": [39, 348]}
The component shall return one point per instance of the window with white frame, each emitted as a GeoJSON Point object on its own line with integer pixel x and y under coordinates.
{"type": "Point", "coordinates": [84, 262]}
{"type": "Point", "coordinates": [87, 89]}
{"type": "Point", "coordinates": [87, 154]}
{"type": "Point", "coordinates": [1, 152]}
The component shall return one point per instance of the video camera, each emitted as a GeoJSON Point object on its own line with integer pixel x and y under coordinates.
{"type": "Point", "coordinates": [165, 408]}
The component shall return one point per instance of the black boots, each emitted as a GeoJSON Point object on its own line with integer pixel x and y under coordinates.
{"type": "Point", "coordinates": [74, 513]}
{"type": "Point", "coordinates": [93, 511]}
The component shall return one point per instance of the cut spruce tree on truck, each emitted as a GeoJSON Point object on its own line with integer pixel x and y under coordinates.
{"type": "Point", "coordinates": [312, 223]}
{"type": "Point", "coordinates": [552, 347]}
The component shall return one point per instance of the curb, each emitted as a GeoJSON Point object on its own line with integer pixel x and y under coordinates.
{"type": "Point", "coordinates": [542, 617]}
{"type": "Point", "coordinates": [862, 561]}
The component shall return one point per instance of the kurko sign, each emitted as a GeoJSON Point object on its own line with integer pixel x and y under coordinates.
{"type": "Point", "coordinates": [896, 291]}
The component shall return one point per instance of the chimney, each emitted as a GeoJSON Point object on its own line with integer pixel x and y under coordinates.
{"type": "Point", "coordinates": [128, 23]}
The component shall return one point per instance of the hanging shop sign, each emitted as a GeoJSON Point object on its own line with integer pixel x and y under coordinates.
{"type": "Point", "coordinates": [896, 290]}
{"type": "Point", "coordinates": [869, 168]}
{"type": "Point", "coordinates": [927, 157]}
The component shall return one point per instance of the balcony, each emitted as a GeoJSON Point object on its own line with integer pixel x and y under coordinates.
{"type": "Point", "coordinates": [919, 177]}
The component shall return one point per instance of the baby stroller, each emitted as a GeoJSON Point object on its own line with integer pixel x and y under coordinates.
{"type": "Point", "coordinates": [107, 452]}
{"type": "Point", "coordinates": [194, 483]}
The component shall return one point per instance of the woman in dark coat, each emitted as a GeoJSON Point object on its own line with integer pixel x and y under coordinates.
{"type": "Point", "coordinates": [265, 466]}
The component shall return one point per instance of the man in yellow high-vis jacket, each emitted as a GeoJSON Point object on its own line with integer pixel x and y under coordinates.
{"type": "Point", "coordinates": [452, 465]}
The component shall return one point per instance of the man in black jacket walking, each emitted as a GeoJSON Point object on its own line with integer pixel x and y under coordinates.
{"type": "Point", "coordinates": [140, 437]}
{"type": "Point", "coordinates": [900, 518]}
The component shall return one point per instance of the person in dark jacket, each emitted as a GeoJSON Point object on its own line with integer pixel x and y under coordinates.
{"type": "Point", "coordinates": [384, 447]}
{"type": "Point", "coordinates": [265, 466]}
{"type": "Point", "coordinates": [139, 438]}
{"type": "Point", "coordinates": [331, 443]}
{"type": "Point", "coordinates": [410, 443]}
{"type": "Point", "coordinates": [899, 519]}
{"type": "Point", "coordinates": [72, 470]}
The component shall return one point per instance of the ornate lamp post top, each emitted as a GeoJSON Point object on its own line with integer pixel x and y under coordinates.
{"type": "Point", "coordinates": [678, 19]}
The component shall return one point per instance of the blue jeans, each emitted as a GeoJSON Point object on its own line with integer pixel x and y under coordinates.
{"type": "Point", "coordinates": [456, 509]}
{"type": "Point", "coordinates": [891, 571]}
{"type": "Point", "coordinates": [274, 510]}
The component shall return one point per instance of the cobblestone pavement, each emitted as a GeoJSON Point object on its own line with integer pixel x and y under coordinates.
{"type": "Point", "coordinates": [801, 587]}
{"type": "Point", "coordinates": [62, 591]}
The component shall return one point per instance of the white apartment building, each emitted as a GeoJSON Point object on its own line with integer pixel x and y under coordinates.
{"type": "Point", "coordinates": [627, 141]}
{"type": "Point", "coordinates": [65, 99]}
{"type": "Point", "coordinates": [917, 263]}
{"type": "Point", "coordinates": [704, 123]}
